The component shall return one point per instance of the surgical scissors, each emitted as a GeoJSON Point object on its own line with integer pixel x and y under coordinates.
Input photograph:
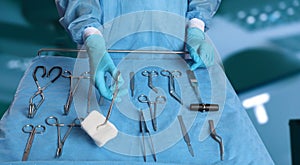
{"type": "Point", "coordinates": [158, 100]}
{"type": "Point", "coordinates": [150, 75]}
{"type": "Point", "coordinates": [40, 90]}
{"type": "Point", "coordinates": [53, 121]}
{"type": "Point", "coordinates": [68, 74]}
{"type": "Point", "coordinates": [144, 129]}
{"type": "Point", "coordinates": [171, 76]}
{"type": "Point", "coordinates": [32, 130]}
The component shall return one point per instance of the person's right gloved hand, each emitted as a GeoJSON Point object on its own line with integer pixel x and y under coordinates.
{"type": "Point", "coordinates": [101, 63]}
{"type": "Point", "coordinates": [201, 51]}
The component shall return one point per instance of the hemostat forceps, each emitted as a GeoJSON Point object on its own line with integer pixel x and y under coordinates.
{"type": "Point", "coordinates": [150, 75]}
{"type": "Point", "coordinates": [53, 121]}
{"type": "Point", "coordinates": [32, 130]}
{"type": "Point", "coordinates": [68, 74]}
{"type": "Point", "coordinates": [171, 76]}
{"type": "Point", "coordinates": [144, 129]}
{"type": "Point", "coordinates": [40, 90]}
{"type": "Point", "coordinates": [158, 100]}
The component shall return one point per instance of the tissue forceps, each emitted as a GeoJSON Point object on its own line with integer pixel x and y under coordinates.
{"type": "Point", "coordinates": [33, 107]}
{"type": "Point", "coordinates": [68, 74]}
{"type": "Point", "coordinates": [171, 76]}
{"type": "Point", "coordinates": [32, 130]}
{"type": "Point", "coordinates": [144, 129]}
{"type": "Point", "coordinates": [113, 99]}
{"type": "Point", "coordinates": [150, 75]}
{"type": "Point", "coordinates": [53, 121]}
{"type": "Point", "coordinates": [158, 100]}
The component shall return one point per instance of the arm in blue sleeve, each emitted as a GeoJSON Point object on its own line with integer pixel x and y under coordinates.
{"type": "Point", "coordinates": [76, 15]}
{"type": "Point", "coordinates": [202, 9]}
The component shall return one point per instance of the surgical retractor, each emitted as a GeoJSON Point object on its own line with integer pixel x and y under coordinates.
{"type": "Point", "coordinates": [216, 137]}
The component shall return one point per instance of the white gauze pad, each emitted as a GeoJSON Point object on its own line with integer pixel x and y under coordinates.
{"type": "Point", "coordinates": [101, 134]}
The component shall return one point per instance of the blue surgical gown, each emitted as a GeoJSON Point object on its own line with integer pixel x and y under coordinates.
{"type": "Point", "coordinates": [137, 23]}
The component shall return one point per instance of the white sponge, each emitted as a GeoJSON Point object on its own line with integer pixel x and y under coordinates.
{"type": "Point", "coordinates": [101, 134]}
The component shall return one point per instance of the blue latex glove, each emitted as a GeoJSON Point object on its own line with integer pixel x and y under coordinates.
{"type": "Point", "coordinates": [101, 63]}
{"type": "Point", "coordinates": [201, 51]}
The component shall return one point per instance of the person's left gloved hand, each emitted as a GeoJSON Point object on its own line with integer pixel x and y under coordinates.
{"type": "Point", "coordinates": [201, 51]}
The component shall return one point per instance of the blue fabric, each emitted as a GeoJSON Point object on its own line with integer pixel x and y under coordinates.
{"type": "Point", "coordinates": [76, 15]}
{"type": "Point", "coordinates": [242, 145]}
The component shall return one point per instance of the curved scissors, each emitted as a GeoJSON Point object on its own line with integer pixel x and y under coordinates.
{"type": "Point", "coordinates": [53, 121]}
{"type": "Point", "coordinates": [68, 74]}
{"type": "Point", "coordinates": [158, 100]}
{"type": "Point", "coordinates": [172, 75]}
{"type": "Point", "coordinates": [150, 75]}
{"type": "Point", "coordinates": [32, 130]}
{"type": "Point", "coordinates": [33, 107]}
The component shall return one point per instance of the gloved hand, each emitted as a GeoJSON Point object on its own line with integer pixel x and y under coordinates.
{"type": "Point", "coordinates": [100, 63]}
{"type": "Point", "coordinates": [201, 51]}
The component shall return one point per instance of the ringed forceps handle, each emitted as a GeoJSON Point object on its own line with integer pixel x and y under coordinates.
{"type": "Point", "coordinates": [32, 130]}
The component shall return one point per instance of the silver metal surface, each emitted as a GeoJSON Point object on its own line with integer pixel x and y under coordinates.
{"type": "Point", "coordinates": [53, 121]}
{"type": "Point", "coordinates": [172, 75]}
{"type": "Point", "coordinates": [158, 100]}
{"type": "Point", "coordinates": [113, 51]}
{"type": "Point", "coordinates": [185, 135]}
{"type": "Point", "coordinates": [32, 130]}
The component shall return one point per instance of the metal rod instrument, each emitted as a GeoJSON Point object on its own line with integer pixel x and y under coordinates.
{"type": "Point", "coordinates": [114, 51]}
